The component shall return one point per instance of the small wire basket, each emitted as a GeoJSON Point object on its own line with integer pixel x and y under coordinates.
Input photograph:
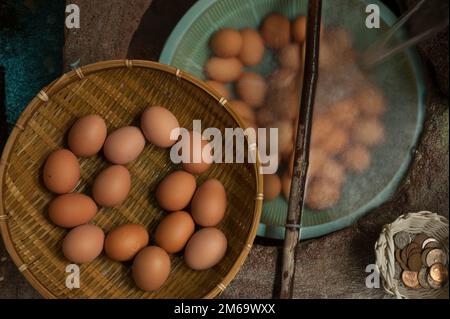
{"type": "Point", "coordinates": [431, 224]}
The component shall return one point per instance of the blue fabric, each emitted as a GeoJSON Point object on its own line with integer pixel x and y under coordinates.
{"type": "Point", "coordinates": [31, 51]}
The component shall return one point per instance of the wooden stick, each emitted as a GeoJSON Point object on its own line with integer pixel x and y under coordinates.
{"type": "Point", "coordinates": [296, 199]}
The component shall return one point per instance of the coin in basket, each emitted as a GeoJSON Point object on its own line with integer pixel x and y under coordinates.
{"type": "Point", "coordinates": [429, 240]}
{"type": "Point", "coordinates": [439, 273]}
{"type": "Point", "coordinates": [436, 256]}
{"type": "Point", "coordinates": [433, 244]}
{"type": "Point", "coordinates": [404, 255]}
{"type": "Point", "coordinates": [411, 247]}
{"type": "Point", "coordinates": [424, 255]}
{"type": "Point", "coordinates": [413, 251]}
{"type": "Point", "coordinates": [398, 257]}
{"type": "Point", "coordinates": [420, 238]}
{"type": "Point", "coordinates": [434, 284]}
{"type": "Point", "coordinates": [422, 277]}
{"type": "Point", "coordinates": [410, 279]}
{"type": "Point", "coordinates": [401, 239]}
{"type": "Point", "coordinates": [415, 262]}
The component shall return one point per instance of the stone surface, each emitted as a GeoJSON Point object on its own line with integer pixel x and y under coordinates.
{"type": "Point", "coordinates": [106, 28]}
{"type": "Point", "coordinates": [438, 63]}
{"type": "Point", "coordinates": [329, 267]}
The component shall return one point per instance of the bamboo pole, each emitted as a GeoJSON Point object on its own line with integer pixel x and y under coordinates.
{"type": "Point", "coordinates": [296, 199]}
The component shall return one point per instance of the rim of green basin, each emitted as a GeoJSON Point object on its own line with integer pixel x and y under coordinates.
{"type": "Point", "coordinates": [307, 232]}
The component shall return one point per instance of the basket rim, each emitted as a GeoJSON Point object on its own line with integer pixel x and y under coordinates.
{"type": "Point", "coordinates": [76, 75]}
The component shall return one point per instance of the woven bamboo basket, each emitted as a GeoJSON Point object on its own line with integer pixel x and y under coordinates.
{"type": "Point", "coordinates": [429, 223]}
{"type": "Point", "coordinates": [119, 91]}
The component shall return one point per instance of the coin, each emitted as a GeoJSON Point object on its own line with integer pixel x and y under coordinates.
{"type": "Point", "coordinates": [415, 251]}
{"type": "Point", "coordinates": [404, 255]}
{"type": "Point", "coordinates": [398, 254]}
{"type": "Point", "coordinates": [410, 279]}
{"type": "Point", "coordinates": [427, 241]}
{"type": "Point", "coordinates": [401, 239]}
{"type": "Point", "coordinates": [433, 244]}
{"type": "Point", "coordinates": [420, 238]}
{"type": "Point", "coordinates": [436, 255]}
{"type": "Point", "coordinates": [424, 255]}
{"type": "Point", "coordinates": [400, 261]}
{"type": "Point", "coordinates": [422, 277]}
{"type": "Point", "coordinates": [410, 247]}
{"type": "Point", "coordinates": [439, 273]}
{"type": "Point", "coordinates": [415, 262]}
{"type": "Point", "coordinates": [434, 284]}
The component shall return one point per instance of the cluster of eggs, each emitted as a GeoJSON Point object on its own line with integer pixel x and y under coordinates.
{"type": "Point", "coordinates": [203, 248]}
{"type": "Point", "coordinates": [343, 130]}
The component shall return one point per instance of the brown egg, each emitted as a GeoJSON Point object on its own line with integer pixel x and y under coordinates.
{"type": "Point", "coordinates": [205, 249]}
{"type": "Point", "coordinates": [252, 50]}
{"type": "Point", "coordinates": [244, 111]}
{"type": "Point", "coordinates": [291, 164]}
{"type": "Point", "coordinates": [293, 107]}
{"type": "Point", "coordinates": [322, 127]}
{"type": "Point", "coordinates": [283, 103]}
{"type": "Point", "coordinates": [61, 172]}
{"type": "Point", "coordinates": [125, 241]}
{"type": "Point", "coordinates": [272, 186]}
{"type": "Point", "coordinates": [327, 56]}
{"type": "Point", "coordinates": [287, 153]}
{"type": "Point", "coordinates": [332, 171]}
{"type": "Point", "coordinates": [336, 142]}
{"type": "Point", "coordinates": [87, 135]}
{"type": "Point", "coordinates": [285, 136]}
{"type": "Point", "coordinates": [174, 231]}
{"type": "Point", "coordinates": [322, 194]}
{"type": "Point", "coordinates": [252, 88]}
{"type": "Point", "coordinates": [317, 158]}
{"type": "Point", "coordinates": [70, 210]}
{"type": "Point", "coordinates": [368, 131]}
{"type": "Point", "coordinates": [209, 203]}
{"type": "Point", "coordinates": [124, 145]}
{"type": "Point", "coordinates": [151, 268]}
{"type": "Point", "coordinates": [220, 88]}
{"type": "Point", "coordinates": [112, 185]}
{"type": "Point", "coordinates": [344, 113]}
{"type": "Point", "coordinates": [303, 49]}
{"type": "Point", "coordinates": [264, 116]}
{"type": "Point", "coordinates": [200, 158]}
{"type": "Point", "coordinates": [176, 190]}
{"type": "Point", "coordinates": [283, 79]}
{"type": "Point", "coordinates": [299, 29]}
{"type": "Point", "coordinates": [371, 102]}
{"type": "Point", "coordinates": [276, 31]}
{"type": "Point", "coordinates": [226, 43]}
{"type": "Point", "coordinates": [158, 124]}
{"type": "Point", "coordinates": [83, 243]}
{"type": "Point", "coordinates": [286, 185]}
{"type": "Point", "coordinates": [340, 39]}
{"type": "Point", "coordinates": [290, 56]}
{"type": "Point", "coordinates": [223, 69]}
{"type": "Point", "coordinates": [356, 158]}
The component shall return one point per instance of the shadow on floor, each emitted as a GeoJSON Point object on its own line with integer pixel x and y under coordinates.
{"type": "Point", "coordinates": [161, 17]}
